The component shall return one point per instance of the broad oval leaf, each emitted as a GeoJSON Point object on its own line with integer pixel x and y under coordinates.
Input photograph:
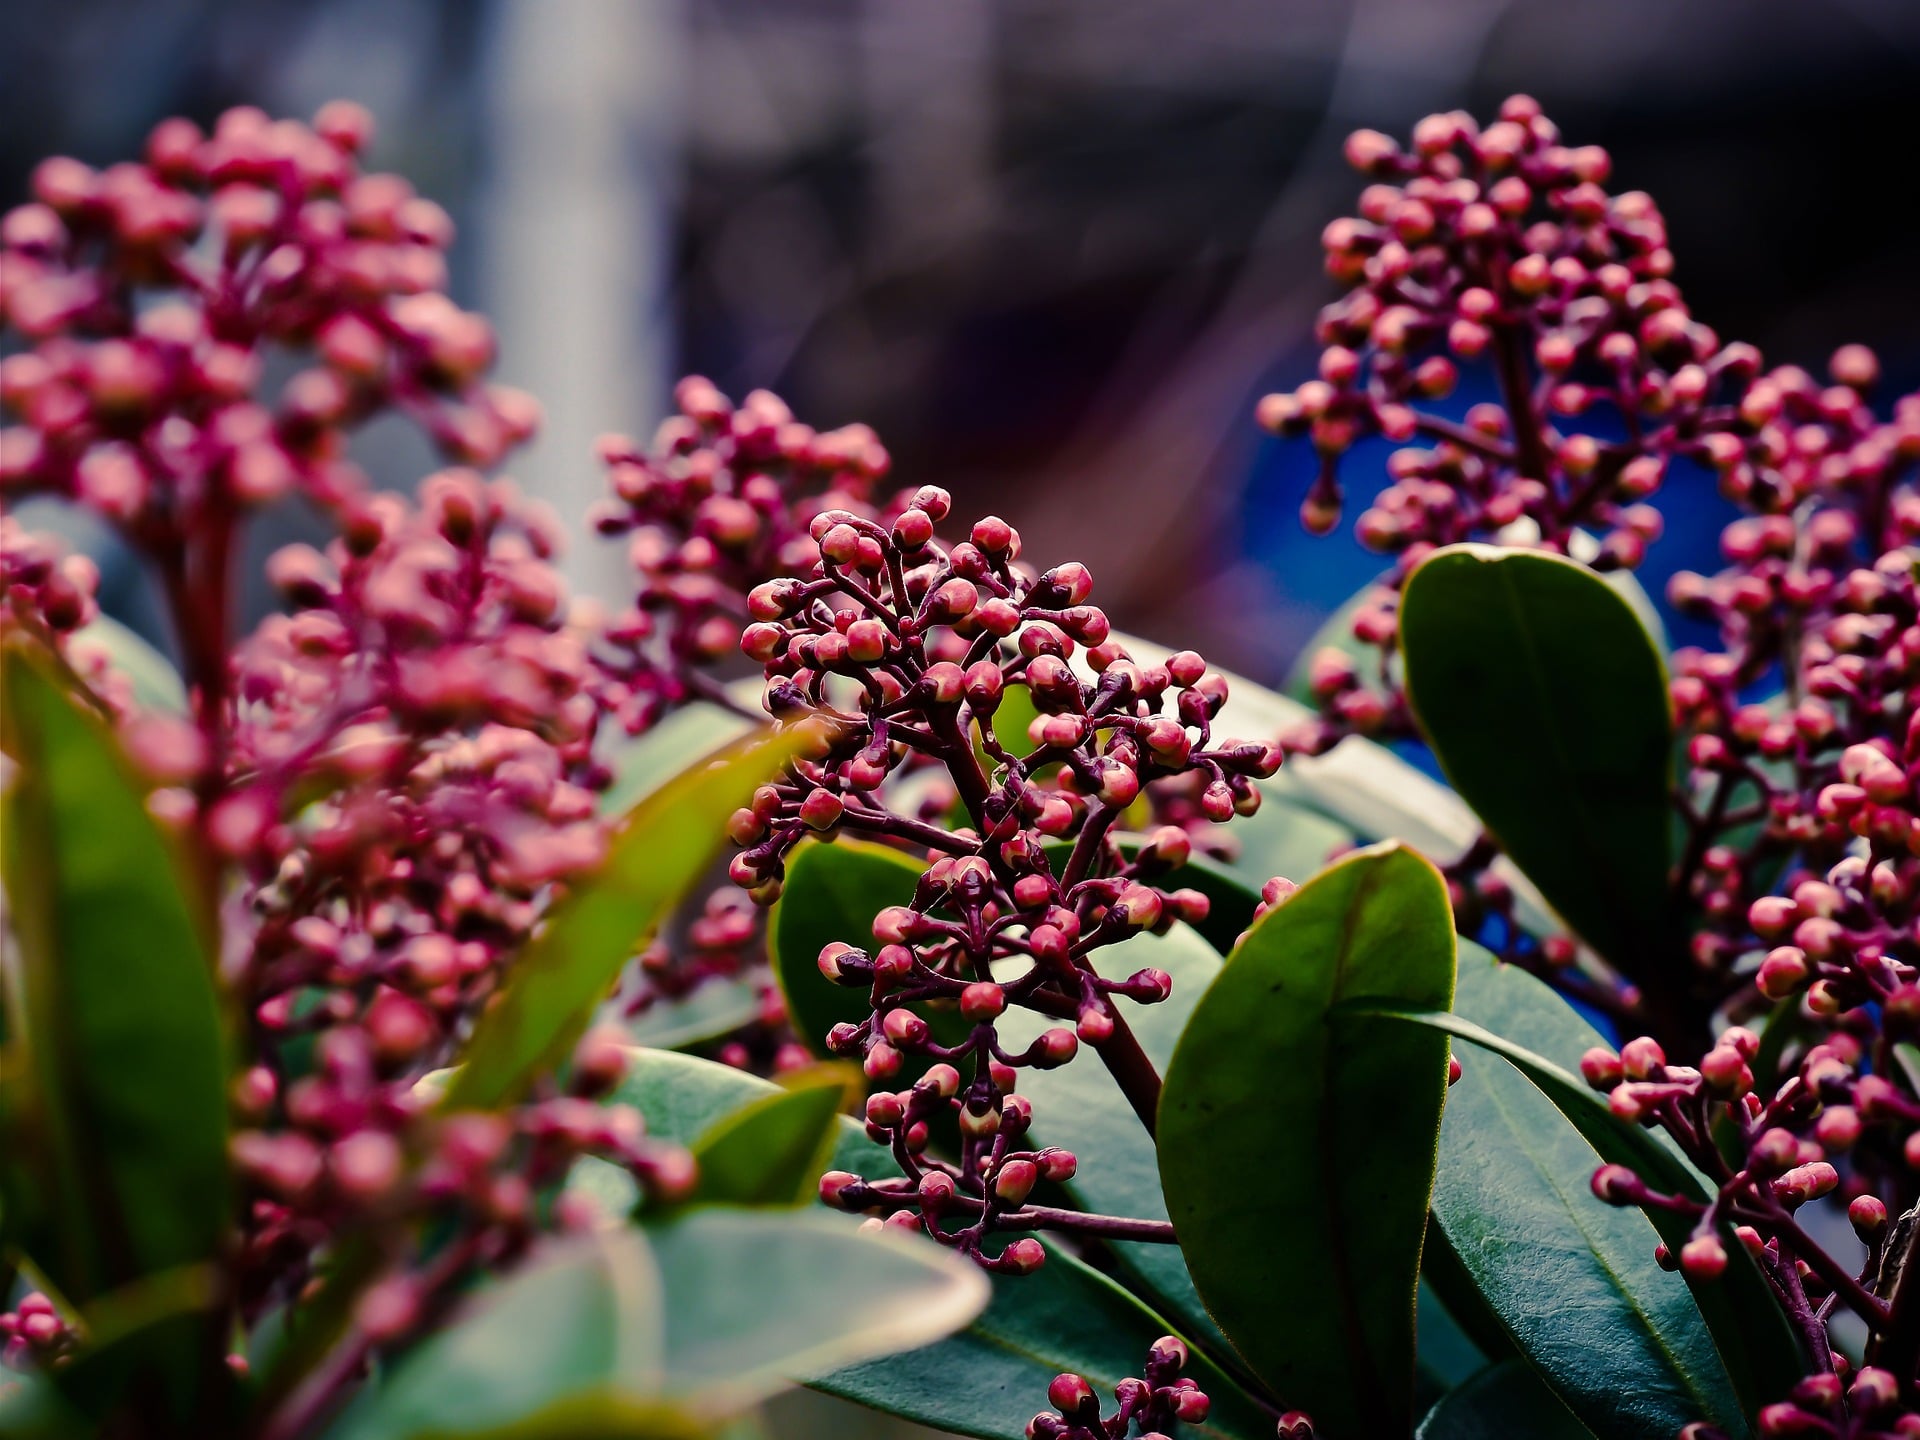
{"type": "Point", "coordinates": [586, 1317]}
{"type": "Point", "coordinates": [721, 1005]}
{"type": "Point", "coordinates": [991, 1378]}
{"type": "Point", "coordinates": [758, 1299]}
{"type": "Point", "coordinates": [1546, 701]}
{"type": "Point", "coordinates": [1572, 1281]}
{"type": "Point", "coordinates": [1297, 1150]}
{"type": "Point", "coordinates": [689, 735]}
{"type": "Point", "coordinates": [1502, 1402]}
{"type": "Point", "coordinates": [659, 853]}
{"type": "Point", "coordinates": [113, 1101]}
{"type": "Point", "coordinates": [1756, 1344]}
{"type": "Point", "coordinates": [773, 1150]}
{"type": "Point", "coordinates": [1361, 786]}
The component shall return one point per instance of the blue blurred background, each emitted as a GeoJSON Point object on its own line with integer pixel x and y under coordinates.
{"type": "Point", "coordinates": [1052, 251]}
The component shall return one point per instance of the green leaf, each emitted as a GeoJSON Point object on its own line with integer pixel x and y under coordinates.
{"type": "Point", "coordinates": [1571, 1280]}
{"type": "Point", "coordinates": [1078, 1107]}
{"type": "Point", "coordinates": [584, 1317]}
{"type": "Point", "coordinates": [1755, 1342]}
{"type": "Point", "coordinates": [113, 1158]}
{"type": "Point", "coordinates": [1502, 1402]}
{"type": "Point", "coordinates": [719, 1006]}
{"type": "Point", "coordinates": [1365, 788]}
{"type": "Point", "coordinates": [990, 1379]}
{"type": "Point", "coordinates": [773, 1150]}
{"type": "Point", "coordinates": [757, 1299]}
{"type": "Point", "coordinates": [1546, 702]}
{"type": "Point", "coordinates": [659, 854]}
{"type": "Point", "coordinates": [1297, 1150]}
{"type": "Point", "coordinates": [682, 739]}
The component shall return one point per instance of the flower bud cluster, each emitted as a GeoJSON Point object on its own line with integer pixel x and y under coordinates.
{"type": "Point", "coordinates": [33, 1336]}
{"type": "Point", "coordinates": [1831, 1129]}
{"type": "Point", "coordinates": [1157, 1405]}
{"type": "Point", "coordinates": [1798, 873]}
{"type": "Point", "coordinates": [49, 594]}
{"type": "Point", "coordinates": [356, 1146]}
{"type": "Point", "coordinates": [151, 296]}
{"type": "Point", "coordinates": [720, 502]}
{"type": "Point", "coordinates": [893, 652]}
{"type": "Point", "coordinates": [1849, 1404]}
{"type": "Point", "coordinates": [1500, 245]}
{"type": "Point", "coordinates": [388, 784]}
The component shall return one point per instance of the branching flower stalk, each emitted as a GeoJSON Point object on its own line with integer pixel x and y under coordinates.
{"type": "Point", "coordinates": [894, 648]}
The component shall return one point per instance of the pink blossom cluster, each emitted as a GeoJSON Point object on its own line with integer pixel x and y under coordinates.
{"type": "Point", "coordinates": [720, 503]}
{"type": "Point", "coordinates": [893, 651]}
{"type": "Point", "coordinates": [1500, 245]}
{"type": "Point", "coordinates": [1800, 811]}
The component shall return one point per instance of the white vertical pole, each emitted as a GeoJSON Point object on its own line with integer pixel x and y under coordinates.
{"type": "Point", "coordinates": [582, 166]}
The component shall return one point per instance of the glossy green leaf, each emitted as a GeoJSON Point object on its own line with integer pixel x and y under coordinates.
{"type": "Point", "coordinates": [586, 1317]}
{"type": "Point", "coordinates": [155, 683]}
{"type": "Point", "coordinates": [1297, 1149]}
{"type": "Point", "coordinates": [1503, 1402]}
{"type": "Point", "coordinates": [1546, 702]}
{"type": "Point", "coordinates": [757, 1299]}
{"type": "Point", "coordinates": [112, 1084]}
{"type": "Point", "coordinates": [1756, 1344]}
{"type": "Point", "coordinates": [1078, 1107]}
{"type": "Point", "coordinates": [721, 1005]}
{"type": "Point", "coordinates": [1362, 787]}
{"type": "Point", "coordinates": [991, 1378]}
{"type": "Point", "coordinates": [682, 739]}
{"type": "Point", "coordinates": [1572, 1281]}
{"type": "Point", "coordinates": [660, 852]}
{"type": "Point", "coordinates": [773, 1150]}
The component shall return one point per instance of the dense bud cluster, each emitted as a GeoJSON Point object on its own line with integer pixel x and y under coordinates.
{"type": "Point", "coordinates": [152, 293]}
{"type": "Point", "coordinates": [33, 1337]}
{"type": "Point", "coordinates": [720, 503]}
{"type": "Point", "coordinates": [1499, 245]}
{"type": "Point", "coordinates": [1152, 1408]}
{"type": "Point", "coordinates": [385, 786]}
{"type": "Point", "coordinates": [892, 652]}
{"type": "Point", "coordinates": [1801, 815]}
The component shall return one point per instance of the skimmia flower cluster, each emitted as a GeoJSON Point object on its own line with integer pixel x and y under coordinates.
{"type": "Point", "coordinates": [1799, 879]}
{"type": "Point", "coordinates": [393, 775]}
{"type": "Point", "coordinates": [1156, 1404]}
{"type": "Point", "coordinates": [894, 649]}
{"type": "Point", "coordinates": [719, 503]}
{"type": "Point", "coordinates": [1500, 246]}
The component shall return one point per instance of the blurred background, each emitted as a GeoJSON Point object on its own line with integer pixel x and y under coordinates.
{"type": "Point", "coordinates": [1052, 251]}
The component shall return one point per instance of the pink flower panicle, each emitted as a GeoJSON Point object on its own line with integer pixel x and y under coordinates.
{"type": "Point", "coordinates": [719, 504]}
{"type": "Point", "coordinates": [1801, 813]}
{"type": "Point", "coordinates": [893, 652]}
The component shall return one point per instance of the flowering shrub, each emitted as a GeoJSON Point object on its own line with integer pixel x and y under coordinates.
{"type": "Point", "coordinates": [1225, 1059]}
